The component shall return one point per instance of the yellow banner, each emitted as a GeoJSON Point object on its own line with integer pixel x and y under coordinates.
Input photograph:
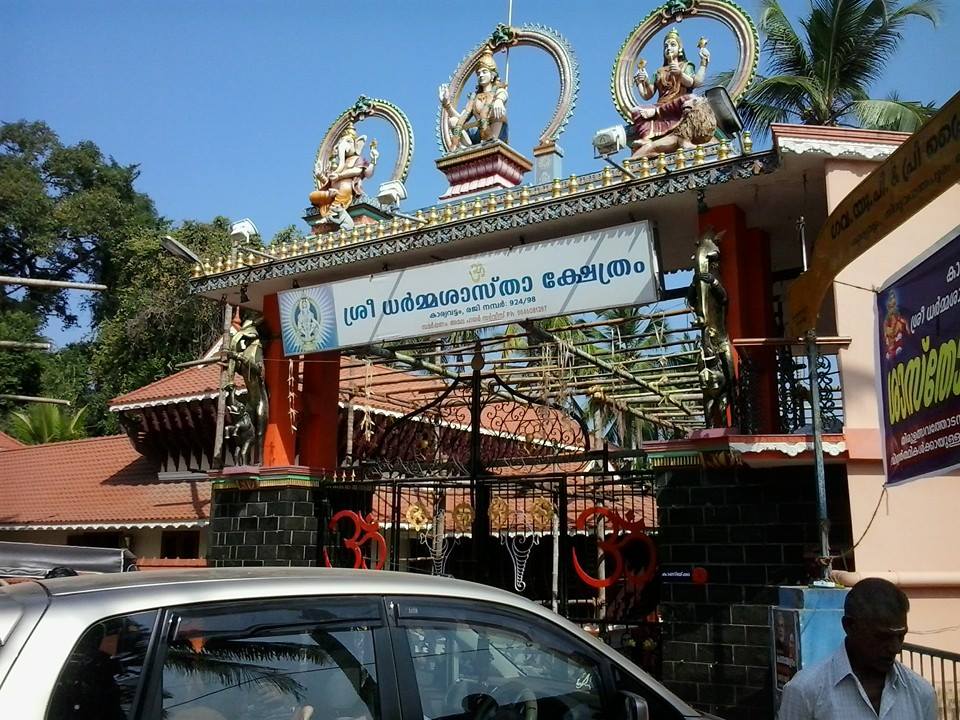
{"type": "Point", "coordinates": [913, 176]}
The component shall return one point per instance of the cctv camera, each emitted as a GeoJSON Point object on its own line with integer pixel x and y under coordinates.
{"type": "Point", "coordinates": [243, 230]}
{"type": "Point", "coordinates": [610, 140]}
{"type": "Point", "coordinates": [391, 193]}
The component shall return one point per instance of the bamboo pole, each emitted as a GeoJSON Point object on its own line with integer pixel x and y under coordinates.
{"type": "Point", "coordinates": [50, 284]}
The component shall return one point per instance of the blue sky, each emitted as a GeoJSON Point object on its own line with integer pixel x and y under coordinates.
{"type": "Point", "coordinates": [223, 103]}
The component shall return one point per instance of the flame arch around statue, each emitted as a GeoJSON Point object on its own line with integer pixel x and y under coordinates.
{"type": "Point", "coordinates": [735, 18]}
{"type": "Point", "coordinates": [366, 107]}
{"type": "Point", "coordinates": [505, 37]}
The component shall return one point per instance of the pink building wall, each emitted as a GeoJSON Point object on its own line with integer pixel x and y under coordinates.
{"type": "Point", "coordinates": [914, 539]}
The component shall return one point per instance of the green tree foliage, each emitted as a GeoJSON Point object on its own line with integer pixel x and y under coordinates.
{"type": "Point", "coordinates": [65, 211]}
{"type": "Point", "coordinates": [20, 370]}
{"type": "Point", "coordinates": [821, 72]}
{"type": "Point", "coordinates": [69, 213]}
{"type": "Point", "coordinates": [155, 322]}
{"type": "Point", "coordinates": [44, 423]}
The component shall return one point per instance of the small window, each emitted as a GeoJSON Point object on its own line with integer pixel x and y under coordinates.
{"type": "Point", "coordinates": [180, 544]}
{"type": "Point", "coordinates": [96, 539]}
{"type": "Point", "coordinates": [100, 678]}
{"type": "Point", "coordinates": [273, 660]}
{"type": "Point", "coordinates": [467, 670]}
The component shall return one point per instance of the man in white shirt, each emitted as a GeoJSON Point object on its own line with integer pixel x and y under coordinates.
{"type": "Point", "coordinates": [863, 679]}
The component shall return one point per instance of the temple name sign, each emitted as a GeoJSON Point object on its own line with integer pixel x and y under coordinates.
{"type": "Point", "coordinates": [913, 176]}
{"type": "Point", "coordinates": [578, 273]}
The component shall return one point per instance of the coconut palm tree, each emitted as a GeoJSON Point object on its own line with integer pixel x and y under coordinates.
{"type": "Point", "coordinates": [821, 72]}
{"type": "Point", "coordinates": [44, 423]}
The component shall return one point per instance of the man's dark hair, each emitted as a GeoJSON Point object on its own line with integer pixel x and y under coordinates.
{"type": "Point", "coordinates": [875, 597]}
{"type": "Point", "coordinates": [60, 571]}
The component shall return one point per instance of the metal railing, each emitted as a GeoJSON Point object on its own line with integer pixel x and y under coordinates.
{"type": "Point", "coordinates": [942, 670]}
{"type": "Point", "coordinates": [786, 366]}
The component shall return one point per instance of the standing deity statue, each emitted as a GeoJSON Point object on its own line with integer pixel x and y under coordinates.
{"type": "Point", "coordinates": [249, 426]}
{"type": "Point", "coordinates": [679, 119]}
{"type": "Point", "coordinates": [339, 180]}
{"type": "Point", "coordinates": [707, 298]}
{"type": "Point", "coordinates": [484, 117]}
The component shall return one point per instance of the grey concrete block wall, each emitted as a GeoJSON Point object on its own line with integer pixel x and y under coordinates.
{"type": "Point", "coordinates": [266, 526]}
{"type": "Point", "coordinates": [752, 530]}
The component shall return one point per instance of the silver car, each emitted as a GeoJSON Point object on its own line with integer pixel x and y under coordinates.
{"type": "Point", "coordinates": [302, 644]}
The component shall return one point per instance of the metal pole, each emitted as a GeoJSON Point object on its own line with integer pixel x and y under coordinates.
{"type": "Point", "coordinates": [17, 345]}
{"type": "Point", "coordinates": [216, 461]}
{"type": "Point", "coordinates": [480, 490]}
{"type": "Point", "coordinates": [30, 398]}
{"type": "Point", "coordinates": [506, 69]}
{"type": "Point", "coordinates": [823, 520]}
{"type": "Point", "coordinates": [555, 571]}
{"type": "Point", "coordinates": [41, 283]}
{"type": "Point", "coordinates": [395, 522]}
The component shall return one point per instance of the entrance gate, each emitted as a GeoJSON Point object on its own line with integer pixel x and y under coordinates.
{"type": "Point", "coordinates": [488, 482]}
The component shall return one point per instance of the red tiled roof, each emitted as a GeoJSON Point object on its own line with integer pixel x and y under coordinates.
{"type": "Point", "coordinates": [92, 482]}
{"type": "Point", "coordinates": [186, 383]}
{"type": "Point", "coordinates": [374, 386]}
{"type": "Point", "coordinates": [8, 443]}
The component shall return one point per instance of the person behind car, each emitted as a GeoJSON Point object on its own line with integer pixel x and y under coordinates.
{"type": "Point", "coordinates": [863, 679]}
{"type": "Point", "coordinates": [59, 572]}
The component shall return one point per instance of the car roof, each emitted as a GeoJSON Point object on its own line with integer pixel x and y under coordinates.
{"type": "Point", "coordinates": [323, 581]}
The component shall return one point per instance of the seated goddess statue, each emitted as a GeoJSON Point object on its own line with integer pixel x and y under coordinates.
{"type": "Point", "coordinates": [679, 119]}
{"type": "Point", "coordinates": [341, 183]}
{"type": "Point", "coordinates": [484, 117]}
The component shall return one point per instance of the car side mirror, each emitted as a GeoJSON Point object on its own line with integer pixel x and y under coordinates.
{"type": "Point", "coordinates": [636, 706]}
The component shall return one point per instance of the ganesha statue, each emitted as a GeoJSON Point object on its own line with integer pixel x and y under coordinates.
{"type": "Point", "coordinates": [340, 177]}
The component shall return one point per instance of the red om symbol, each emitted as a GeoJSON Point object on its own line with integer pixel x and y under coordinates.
{"type": "Point", "coordinates": [613, 548]}
{"type": "Point", "coordinates": [364, 531]}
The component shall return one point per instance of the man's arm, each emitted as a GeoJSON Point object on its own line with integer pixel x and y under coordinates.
{"type": "Point", "coordinates": [929, 702]}
{"type": "Point", "coordinates": [794, 704]}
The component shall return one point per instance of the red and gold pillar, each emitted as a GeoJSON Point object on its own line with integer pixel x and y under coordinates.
{"type": "Point", "coordinates": [746, 276]}
{"type": "Point", "coordinates": [320, 417]}
{"type": "Point", "coordinates": [279, 447]}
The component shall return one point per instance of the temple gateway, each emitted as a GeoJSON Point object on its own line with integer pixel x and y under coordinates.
{"type": "Point", "coordinates": [584, 388]}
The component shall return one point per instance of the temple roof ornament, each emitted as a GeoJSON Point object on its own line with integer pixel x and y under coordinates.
{"type": "Point", "coordinates": [367, 107]}
{"type": "Point", "coordinates": [502, 38]}
{"type": "Point", "coordinates": [622, 87]}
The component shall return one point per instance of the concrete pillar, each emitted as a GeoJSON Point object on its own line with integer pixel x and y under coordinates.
{"type": "Point", "coordinates": [278, 447]}
{"type": "Point", "coordinates": [320, 417]}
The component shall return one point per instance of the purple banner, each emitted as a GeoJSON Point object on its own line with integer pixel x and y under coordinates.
{"type": "Point", "coordinates": [919, 330]}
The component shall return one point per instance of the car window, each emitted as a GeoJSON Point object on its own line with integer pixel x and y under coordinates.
{"type": "Point", "coordinates": [470, 670]}
{"type": "Point", "coordinates": [100, 679]}
{"type": "Point", "coordinates": [265, 661]}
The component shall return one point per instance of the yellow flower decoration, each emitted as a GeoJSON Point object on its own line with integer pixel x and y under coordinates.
{"type": "Point", "coordinates": [542, 512]}
{"type": "Point", "coordinates": [463, 517]}
{"type": "Point", "coordinates": [417, 516]}
{"type": "Point", "coordinates": [499, 514]}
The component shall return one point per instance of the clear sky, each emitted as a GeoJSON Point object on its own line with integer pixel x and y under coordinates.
{"type": "Point", "coordinates": [223, 103]}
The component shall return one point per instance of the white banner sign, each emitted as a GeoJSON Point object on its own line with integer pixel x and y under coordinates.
{"type": "Point", "coordinates": [588, 271]}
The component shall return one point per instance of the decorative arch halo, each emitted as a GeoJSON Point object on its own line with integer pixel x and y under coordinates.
{"type": "Point", "coordinates": [674, 11]}
{"type": "Point", "coordinates": [366, 107]}
{"type": "Point", "coordinates": [503, 37]}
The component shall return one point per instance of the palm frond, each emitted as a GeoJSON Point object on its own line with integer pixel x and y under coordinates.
{"type": "Point", "coordinates": [787, 53]}
{"type": "Point", "coordinates": [777, 98]}
{"type": "Point", "coordinates": [928, 9]}
{"type": "Point", "coordinates": [892, 114]}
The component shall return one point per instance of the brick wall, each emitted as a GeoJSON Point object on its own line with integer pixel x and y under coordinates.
{"type": "Point", "coordinates": [753, 530]}
{"type": "Point", "coordinates": [272, 526]}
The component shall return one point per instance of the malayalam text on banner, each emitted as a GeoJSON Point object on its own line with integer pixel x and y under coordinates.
{"type": "Point", "coordinates": [589, 271]}
{"type": "Point", "coordinates": [919, 330]}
